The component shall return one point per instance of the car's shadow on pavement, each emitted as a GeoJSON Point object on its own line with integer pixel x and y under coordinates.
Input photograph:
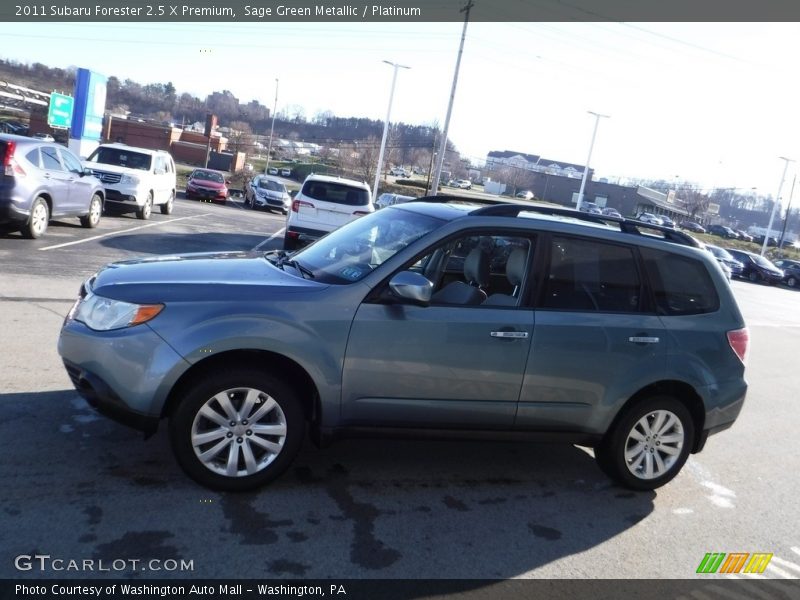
{"type": "Point", "coordinates": [183, 243]}
{"type": "Point", "coordinates": [79, 485]}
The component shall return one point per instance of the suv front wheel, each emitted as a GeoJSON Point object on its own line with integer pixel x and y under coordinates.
{"type": "Point", "coordinates": [236, 430]}
{"type": "Point", "coordinates": [144, 212]}
{"type": "Point", "coordinates": [649, 445]}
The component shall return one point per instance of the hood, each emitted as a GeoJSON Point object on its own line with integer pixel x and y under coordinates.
{"type": "Point", "coordinates": [207, 183]}
{"type": "Point", "coordinates": [94, 166]}
{"type": "Point", "coordinates": [200, 277]}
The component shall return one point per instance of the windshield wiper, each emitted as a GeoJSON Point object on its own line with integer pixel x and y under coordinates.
{"type": "Point", "coordinates": [303, 270]}
{"type": "Point", "coordinates": [280, 258]}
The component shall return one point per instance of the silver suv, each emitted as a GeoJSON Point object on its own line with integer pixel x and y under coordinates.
{"type": "Point", "coordinates": [42, 180]}
{"type": "Point", "coordinates": [429, 318]}
{"type": "Point", "coordinates": [136, 179]}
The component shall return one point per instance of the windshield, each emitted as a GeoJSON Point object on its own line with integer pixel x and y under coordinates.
{"type": "Point", "coordinates": [208, 176]}
{"type": "Point", "coordinates": [763, 262]}
{"type": "Point", "coordinates": [350, 253]}
{"type": "Point", "coordinates": [121, 158]}
{"type": "Point", "coordinates": [271, 186]}
{"type": "Point", "coordinates": [720, 252]}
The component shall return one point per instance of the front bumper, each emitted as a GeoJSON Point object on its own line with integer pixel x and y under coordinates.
{"type": "Point", "coordinates": [266, 202]}
{"type": "Point", "coordinates": [126, 374]}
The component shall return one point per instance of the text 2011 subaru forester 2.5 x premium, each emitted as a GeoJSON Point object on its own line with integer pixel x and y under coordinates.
{"type": "Point", "coordinates": [135, 179]}
{"type": "Point", "coordinates": [438, 318]}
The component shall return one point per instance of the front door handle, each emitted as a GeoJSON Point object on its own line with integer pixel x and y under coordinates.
{"type": "Point", "coordinates": [515, 335]}
{"type": "Point", "coordinates": [643, 339]}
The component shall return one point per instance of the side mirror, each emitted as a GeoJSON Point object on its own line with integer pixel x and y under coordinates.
{"type": "Point", "coordinates": [411, 286]}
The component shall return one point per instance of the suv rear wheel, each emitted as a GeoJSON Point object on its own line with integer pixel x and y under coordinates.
{"type": "Point", "coordinates": [236, 430]}
{"type": "Point", "coordinates": [649, 445]}
{"type": "Point", "coordinates": [37, 223]}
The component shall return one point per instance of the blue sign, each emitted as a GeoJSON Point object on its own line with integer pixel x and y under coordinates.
{"type": "Point", "coordinates": [90, 105]}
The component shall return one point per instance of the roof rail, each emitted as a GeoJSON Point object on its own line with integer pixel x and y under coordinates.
{"type": "Point", "coordinates": [503, 208]}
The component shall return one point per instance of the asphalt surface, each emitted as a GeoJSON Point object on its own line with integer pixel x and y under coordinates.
{"type": "Point", "coordinates": [77, 486]}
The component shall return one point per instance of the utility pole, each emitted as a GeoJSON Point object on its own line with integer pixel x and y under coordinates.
{"type": "Point", "coordinates": [589, 158]}
{"type": "Point", "coordinates": [385, 128]}
{"type": "Point", "coordinates": [443, 146]}
{"type": "Point", "coordinates": [272, 127]}
{"type": "Point", "coordinates": [775, 206]}
{"type": "Point", "coordinates": [788, 208]}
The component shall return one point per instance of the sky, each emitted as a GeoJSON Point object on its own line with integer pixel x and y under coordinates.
{"type": "Point", "coordinates": [713, 104]}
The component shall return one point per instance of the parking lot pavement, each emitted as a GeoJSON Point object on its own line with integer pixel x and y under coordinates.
{"type": "Point", "coordinates": [76, 485]}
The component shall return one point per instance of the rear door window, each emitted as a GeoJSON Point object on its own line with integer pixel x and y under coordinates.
{"type": "Point", "coordinates": [589, 275]}
{"type": "Point", "coordinates": [50, 159]}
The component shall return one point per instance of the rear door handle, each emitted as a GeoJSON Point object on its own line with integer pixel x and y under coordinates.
{"type": "Point", "coordinates": [516, 335]}
{"type": "Point", "coordinates": [643, 339]}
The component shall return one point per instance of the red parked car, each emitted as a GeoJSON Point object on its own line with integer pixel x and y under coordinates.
{"type": "Point", "coordinates": [205, 184]}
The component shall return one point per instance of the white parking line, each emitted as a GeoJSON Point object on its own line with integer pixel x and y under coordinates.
{"type": "Point", "coordinates": [270, 238]}
{"type": "Point", "coordinates": [796, 550]}
{"type": "Point", "coordinates": [110, 233]}
{"type": "Point", "coordinates": [786, 564]}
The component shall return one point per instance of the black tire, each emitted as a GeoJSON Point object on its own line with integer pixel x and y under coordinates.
{"type": "Point", "coordinates": [754, 277]}
{"type": "Point", "coordinates": [611, 452]}
{"type": "Point", "coordinates": [95, 211]}
{"type": "Point", "coordinates": [36, 224]}
{"type": "Point", "coordinates": [290, 244]}
{"type": "Point", "coordinates": [167, 207]}
{"type": "Point", "coordinates": [284, 416]}
{"type": "Point", "coordinates": [146, 209]}
{"type": "Point", "coordinates": [791, 281]}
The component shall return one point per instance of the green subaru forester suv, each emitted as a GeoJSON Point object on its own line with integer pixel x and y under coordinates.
{"type": "Point", "coordinates": [441, 317]}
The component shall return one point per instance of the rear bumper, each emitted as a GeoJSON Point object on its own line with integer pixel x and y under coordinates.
{"type": "Point", "coordinates": [304, 233]}
{"type": "Point", "coordinates": [12, 213]}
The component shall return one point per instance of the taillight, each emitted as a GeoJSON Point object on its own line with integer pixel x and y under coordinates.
{"type": "Point", "coordinates": [10, 166]}
{"type": "Point", "coordinates": [298, 203]}
{"type": "Point", "coordinates": [739, 340]}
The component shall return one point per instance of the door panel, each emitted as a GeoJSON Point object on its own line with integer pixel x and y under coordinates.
{"type": "Point", "coordinates": [436, 366]}
{"type": "Point", "coordinates": [583, 365]}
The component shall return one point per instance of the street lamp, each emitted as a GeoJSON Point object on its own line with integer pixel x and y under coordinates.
{"type": "Point", "coordinates": [386, 127]}
{"type": "Point", "coordinates": [775, 206]}
{"type": "Point", "coordinates": [272, 127]}
{"type": "Point", "coordinates": [589, 158]}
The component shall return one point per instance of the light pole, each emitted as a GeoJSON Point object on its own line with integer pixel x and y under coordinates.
{"type": "Point", "coordinates": [775, 206]}
{"type": "Point", "coordinates": [272, 127]}
{"type": "Point", "coordinates": [386, 127]}
{"type": "Point", "coordinates": [597, 117]}
{"type": "Point", "coordinates": [443, 144]}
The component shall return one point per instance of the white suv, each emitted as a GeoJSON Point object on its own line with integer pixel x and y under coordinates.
{"type": "Point", "coordinates": [135, 179]}
{"type": "Point", "coordinates": [323, 204]}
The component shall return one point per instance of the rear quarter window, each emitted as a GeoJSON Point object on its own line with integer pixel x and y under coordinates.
{"type": "Point", "coordinates": [681, 285]}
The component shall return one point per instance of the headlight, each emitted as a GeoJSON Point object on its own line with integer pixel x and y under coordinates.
{"type": "Point", "coordinates": [104, 314]}
{"type": "Point", "coordinates": [129, 180]}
